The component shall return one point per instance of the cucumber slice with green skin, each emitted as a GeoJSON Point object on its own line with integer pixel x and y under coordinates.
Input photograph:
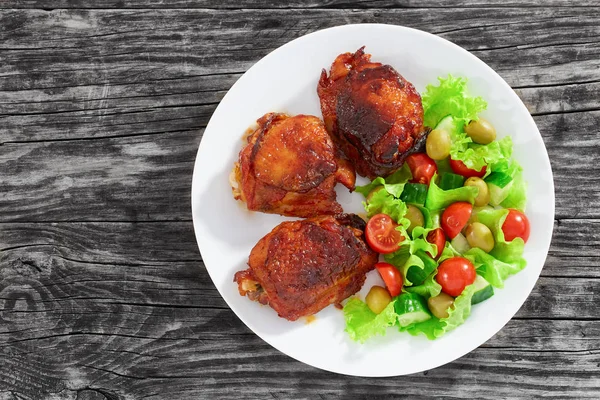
{"type": "Point", "coordinates": [449, 181]}
{"type": "Point", "coordinates": [411, 309]}
{"type": "Point", "coordinates": [417, 275]}
{"type": "Point", "coordinates": [499, 179]}
{"type": "Point", "coordinates": [498, 194]}
{"type": "Point", "coordinates": [414, 193]}
{"type": "Point", "coordinates": [483, 290]}
{"type": "Point", "coordinates": [499, 185]}
{"type": "Point", "coordinates": [446, 123]}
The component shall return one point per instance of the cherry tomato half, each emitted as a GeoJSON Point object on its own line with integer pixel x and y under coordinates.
{"type": "Point", "coordinates": [516, 225]}
{"type": "Point", "coordinates": [454, 274]}
{"type": "Point", "coordinates": [459, 167]}
{"type": "Point", "coordinates": [381, 234]}
{"type": "Point", "coordinates": [391, 276]}
{"type": "Point", "coordinates": [422, 167]}
{"type": "Point", "coordinates": [437, 237]}
{"type": "Point", "coordinates": [455, 217]}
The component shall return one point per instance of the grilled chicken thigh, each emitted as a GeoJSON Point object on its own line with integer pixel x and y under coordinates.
{"type": "Point", "coordinates": [374, 114]}
{"type": "Point", "coordinates": [301, 267]}
{"type": "Point", "coordinates": [290, 167]}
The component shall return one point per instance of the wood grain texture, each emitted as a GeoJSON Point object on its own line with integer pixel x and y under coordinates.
{"type": "Point", "coordinates": [295, 4]}
{"type": "Point", "coordinates": [103, 294]}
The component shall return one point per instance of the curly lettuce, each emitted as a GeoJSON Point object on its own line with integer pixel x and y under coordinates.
{"type": "Point", "coordinates": [438, 198]}
{"type": "Point", "coordinates": [451, 98]}
{"type": "Point", "coordinates": [362, 323]}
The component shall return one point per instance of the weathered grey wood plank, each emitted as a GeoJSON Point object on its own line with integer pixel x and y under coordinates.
{"type": "Point", "coordinates": [141, 374]}
{"type": "Point", "coordinates": [125, 179]}
{"type": "Point", "coordinates": [262, 4]}
{"type": "Point", "coordinates": [67, 47]}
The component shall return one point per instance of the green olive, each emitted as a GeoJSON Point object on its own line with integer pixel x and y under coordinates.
{"type": "Point", "coordinates": [438, 144]}
{"type": "Point", "coordinates": [415, 216]}
{"type": "Point", "coordinates": [372, 193]}
{"type": "Point", "coordinates": [481, 131]}
{"type": "Point", "coordinates": [479, 235]}
{"type": "Point", "coordinates": [378, 298]}
{"type": "Point", "coordinates": [439, 305]}
{"type": "Point", "coordinates": [483, 197]}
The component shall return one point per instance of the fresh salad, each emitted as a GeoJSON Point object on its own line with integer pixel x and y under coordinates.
{"type": "Point", "coordinates": [450, 223]}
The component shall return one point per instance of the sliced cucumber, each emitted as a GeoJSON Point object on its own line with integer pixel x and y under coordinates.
{"type": "Point", "coordinates": [483, 290]}
{"type": "Point", "coordinates": [449, 181]}
{"type": "Point", "coordinates": [446, 123]}
{"type": "Point", "coordinates": [499, 185]}
{"type": "Point", "coordinates": [411, 309]}
{"type": "Point", "coordinates": [498, 194]}
{"type": "Point", "coordinates": [418, 275]}
{"type": "Point", "coordinates": [499, 179]}
{"type": "Point", "coordinates": [414, 193]}
{"type": "Point", "coordinates": [460, 243]}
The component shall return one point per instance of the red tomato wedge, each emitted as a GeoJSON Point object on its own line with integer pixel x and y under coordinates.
{"type": "Point", "coordinates": [422, 167]}
{"type": "Point", "coordinates": [391, 276]}
{"type": "Point", "coordinates": [381, 234]}
{"type": "Point", "coordinates": [455, 217]}
{"type": "Point", "coordinates": [516, 225]}
{"type": "Point", "coordinates": [454, 274]}
{"type": "Point", "coordinates": [437, 237]}
{"type": "Point", "coordinates": [459, 167]}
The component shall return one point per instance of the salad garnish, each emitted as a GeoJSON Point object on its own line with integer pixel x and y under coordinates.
{"type": "Point", "coordinates": [450, 222]}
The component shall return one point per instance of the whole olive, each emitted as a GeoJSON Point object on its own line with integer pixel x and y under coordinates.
{"type": "Point", "coordinates": [479, 235]}
{"type": "Point", "coordinates": [481, 131]}
{"type": "Point", "coordinates": [438, 144]}
{"type": "Point", "coordinates": [483, 197]}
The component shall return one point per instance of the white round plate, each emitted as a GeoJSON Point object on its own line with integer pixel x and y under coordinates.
{"type": "Point", "coordinates": [286, 81]}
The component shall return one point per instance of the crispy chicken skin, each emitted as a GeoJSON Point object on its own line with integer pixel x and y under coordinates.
{"type": "Point", "coordinates": [301, 267]}
{"type": "Point", "coordinates": [290, 167]}
{"type": "Point", "coordinates": [372, 112]}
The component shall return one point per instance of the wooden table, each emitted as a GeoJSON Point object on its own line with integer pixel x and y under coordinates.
{"type": "Point", "coordinates": [103, 294]}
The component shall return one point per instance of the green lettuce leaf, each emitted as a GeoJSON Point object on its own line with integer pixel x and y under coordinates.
{"type": "Point", "coordinates": [412, 261]}
{"type": "Point", "coordinates": [438, 198]}
{"type": "Point", "coordinates": [406, 257]}
{"type": "Point", "coordinates": [450, 97]}
{"type": "Point", "coordinates": [476, 156]}
{"type": "Point", "coordinates": [383, 202]}
{"type": "Point", "coordinates": [393, 184]}
{"type": "Point", "coordinates": [434, 327]}
{"type": "Point", "coordinates": [399, 257]}
{"type": "Point", "coordinates": [362, 323]}
{"type": "Point", "coordinates": [517, 196]}
{"type": "Point", "coordinates": [493, 270]}
{"type": "Point", "coordinates": [429, 288]}
{"type": "Point", "coordinates": [420, 242]}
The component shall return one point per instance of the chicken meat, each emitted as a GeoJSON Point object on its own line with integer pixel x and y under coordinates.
{"type": "Point", "coordinates": [301, 267]}
{"type": "Point", "coordinates": [372, 112]}
{"type": "Point", "coordinates": [290, 166]}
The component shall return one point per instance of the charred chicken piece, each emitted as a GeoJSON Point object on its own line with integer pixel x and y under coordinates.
{"type": "Point", "coordinates": [372, 112]}
{"type": "Point", "coordinates": [290, 167]}
{"type": "Point", "coordinates": [301, 267]}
